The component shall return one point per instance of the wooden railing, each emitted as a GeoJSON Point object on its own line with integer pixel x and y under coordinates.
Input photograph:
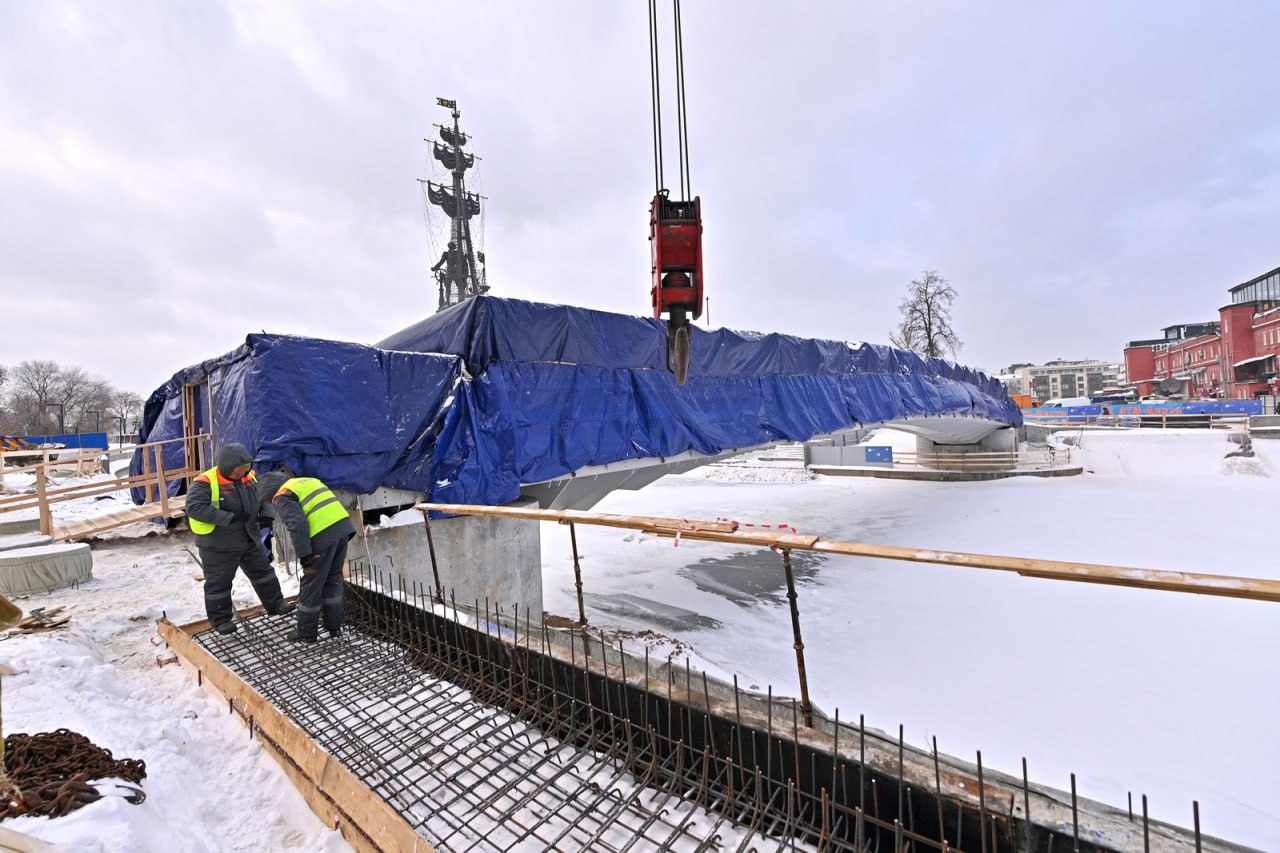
{"type": "Point", "coordinates": [985, 461]}
{"type": "Point", "coordinates": [52, 457]}
{"type": "Point", "coordinates": [1146, 420]}
{"type": "Point", "coordinates": [154, 479]}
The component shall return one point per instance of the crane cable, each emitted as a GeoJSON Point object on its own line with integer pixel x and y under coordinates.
{"type": "Point", "coordinates": [655, 92]}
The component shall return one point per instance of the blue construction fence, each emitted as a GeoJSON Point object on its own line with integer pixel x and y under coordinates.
{"type": "Point", "coordinates": [1131, 412]}
{"type": "Point", "coordinates": [81, 440]}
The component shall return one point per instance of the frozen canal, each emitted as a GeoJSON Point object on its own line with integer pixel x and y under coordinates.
{"type": "Point", "coordinates": [1165, 694]}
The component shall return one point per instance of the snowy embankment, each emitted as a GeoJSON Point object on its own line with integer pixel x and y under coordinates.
{"type": "Point", "coordinates": [209, 786]}
{"type": "Point", "coordinates": [1138, 691]}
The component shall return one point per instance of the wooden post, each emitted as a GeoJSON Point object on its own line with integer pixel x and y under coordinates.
{"type": "Point", "coordinates": [164, 487]}
{"type": "Point", "coordinates": [146, 471]}
{"type": "Point", "coordinates": [46, 517]}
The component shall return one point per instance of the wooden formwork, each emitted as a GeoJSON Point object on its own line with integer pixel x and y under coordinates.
{"type": "Point", "coordinates": [337, 796]}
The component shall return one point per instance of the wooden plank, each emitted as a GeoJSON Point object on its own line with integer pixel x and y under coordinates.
{"type": "Point", "coordinates": [162, 484]}
{"type": "Point", "coordinates": [89, 526]}
{"type": "Point", "coordinates": [81, 490]}
{"type": "Point", "coordinates": [19, 842]}
{"type": "Point", "coordinates": [46, 518]}
{"type": "Point", "coordinates": [337, 795]}
{"type": "Point", "coordinates": [1227, 586]}
{"type": "Point", "coordinates": [96, 524]}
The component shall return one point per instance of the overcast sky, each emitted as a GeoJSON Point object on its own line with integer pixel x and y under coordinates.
{"type": "Point", "coordinates": [175, 175]}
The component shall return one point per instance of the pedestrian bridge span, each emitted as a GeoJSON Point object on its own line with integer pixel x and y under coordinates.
{"type": "Point", "coordinates": [495, 398]}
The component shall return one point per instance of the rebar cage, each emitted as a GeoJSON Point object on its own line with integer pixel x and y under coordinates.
{"type": "Point", "coordinates": [489, 731]}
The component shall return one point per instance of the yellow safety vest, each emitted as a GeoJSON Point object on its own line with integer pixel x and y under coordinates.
{"type": "Point", "coordinates": [318, 503]}
{"type": "Point", "coordinates": [204, 528]}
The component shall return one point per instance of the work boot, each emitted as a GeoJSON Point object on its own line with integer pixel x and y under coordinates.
{"type": "Point", "coordinates": [335, 633]}
{"type": "Point", "coordinates": [284, 609]}
{"type": "Point", "coordinates": [226, 628]}
{"type": "Point", "coordinates": [294, 637]}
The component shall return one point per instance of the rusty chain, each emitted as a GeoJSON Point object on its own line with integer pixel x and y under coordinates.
{"type": "Point", "coordinates": [51, 773]}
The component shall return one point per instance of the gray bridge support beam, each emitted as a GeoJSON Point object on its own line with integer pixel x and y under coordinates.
{"type": "Point", "coordinates": [1004, 440]}
{"type": "Point", "coordinates": [478, 559]}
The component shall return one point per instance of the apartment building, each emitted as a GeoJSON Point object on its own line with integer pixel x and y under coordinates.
{"type": "Point", "coordinates": [1062, 378]}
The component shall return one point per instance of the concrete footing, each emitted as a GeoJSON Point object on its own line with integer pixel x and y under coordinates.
{"type": "Point", "coordinates": [477, 559]}
{"type": "Point", "coordinates": [13, 524]}
{"type": "Point", "coordinates": [44, 568]}
{"type": "Point", "coordinates": [939, 476]}
{"type": "Point", "coordinates": [1264, 426]}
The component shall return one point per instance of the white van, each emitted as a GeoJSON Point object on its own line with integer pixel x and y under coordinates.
{"type": "Point", "coordinates": [1064, 402]}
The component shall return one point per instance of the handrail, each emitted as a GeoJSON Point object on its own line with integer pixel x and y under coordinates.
{"type": "Point", "coordinates": [1143, 420]}
{"type": "Point", "coordinates": [154, 479]}
{"type": "Point", "coordinates": [1049, 457]}
{"type": "Point", "coordinates": [731, 533]}
{"type": "Point", "coordinates": [1258, 589]}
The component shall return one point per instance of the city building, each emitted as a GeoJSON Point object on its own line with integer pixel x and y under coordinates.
{"type": "Point", "coordinates": [1232, 358]}
{"type": "Point", "coordinates": [1062, 378]}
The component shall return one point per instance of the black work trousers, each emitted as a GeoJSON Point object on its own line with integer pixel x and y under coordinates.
{"type": "Point", "coordinates": [220, 572]}
{"type": "Point", "coordinates": [320, 593]}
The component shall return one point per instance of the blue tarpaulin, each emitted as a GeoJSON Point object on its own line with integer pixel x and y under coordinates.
{"type": "Point", "coordinates": [474, 401]}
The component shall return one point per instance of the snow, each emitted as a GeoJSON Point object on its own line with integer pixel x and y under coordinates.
{"type": "Point", "coordinates": [209, 786]}
{"type": "Point", "coordinates": [1137, 691]}
{"type": "Point", "coordinates": [1133, 690]}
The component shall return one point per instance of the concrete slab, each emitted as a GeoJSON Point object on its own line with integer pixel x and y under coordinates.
{"type": "Point", "coordinates": [11, 524]}
{"type": "Point", "coordinates": [10, 541]}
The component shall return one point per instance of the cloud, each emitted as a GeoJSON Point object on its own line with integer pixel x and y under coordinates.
{"type": "Point", "coordinates": [178, 175]}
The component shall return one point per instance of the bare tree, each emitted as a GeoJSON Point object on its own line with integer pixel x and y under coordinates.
{"type": "Point", "coordinates": [124, 411]}
{"type": "Point", "coordinates": [926, 318]}
{"type": "Point", "coordinates": [46, 398]}
{"type": "Point", "coordinates": [7, 420]}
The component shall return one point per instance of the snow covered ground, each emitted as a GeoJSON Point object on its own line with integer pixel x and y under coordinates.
{"type": "Point", "coordinates": [1150, 692]}
{"type": "Point", "coordinates": [209, 786]}
{"type": "Point", "coordinates": [1166, 694]}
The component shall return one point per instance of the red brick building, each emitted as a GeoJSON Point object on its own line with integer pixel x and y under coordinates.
{"type": "Point", "coordinates": [1233, 358]}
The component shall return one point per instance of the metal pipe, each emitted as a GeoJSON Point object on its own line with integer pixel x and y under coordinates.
{"type": "Point", "coordinates": [577, 574]}
{"type": "Point", "coordinates": [805, 706]}
{"type": "Point", "coordinates": [431, 549]}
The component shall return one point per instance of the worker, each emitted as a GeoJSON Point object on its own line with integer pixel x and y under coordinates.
{"type": "Point", "coordinates": [319, 529]}
{"type": "Point", "coordinates": [222, 510]}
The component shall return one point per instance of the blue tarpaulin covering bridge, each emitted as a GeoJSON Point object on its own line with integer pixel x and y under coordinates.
{"type": "Point", "coordinates": [471, 403]}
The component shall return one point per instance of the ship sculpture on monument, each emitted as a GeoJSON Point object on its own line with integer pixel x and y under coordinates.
{"type": "Point", "coordinates": [459, 272]}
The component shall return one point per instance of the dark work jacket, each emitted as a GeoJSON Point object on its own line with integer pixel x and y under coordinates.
{"type": "Point", "coordinates": [290, 512]}
{"type": "Point", "coordinates": [235, 496]}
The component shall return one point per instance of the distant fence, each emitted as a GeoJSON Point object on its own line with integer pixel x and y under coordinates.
{"type": "Point", "coordinates": [1022, 460]}
{"type": "Point", "coordinates": [1207, 413]}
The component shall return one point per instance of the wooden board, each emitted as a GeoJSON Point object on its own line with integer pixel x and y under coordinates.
{"type": "Point", "coordinates": [98, 523]}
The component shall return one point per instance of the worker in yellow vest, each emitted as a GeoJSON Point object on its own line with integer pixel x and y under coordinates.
{"type": "Point", "coordinates": [319, 529]}
{"type": "Point", "coordinates": [222, 511]}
